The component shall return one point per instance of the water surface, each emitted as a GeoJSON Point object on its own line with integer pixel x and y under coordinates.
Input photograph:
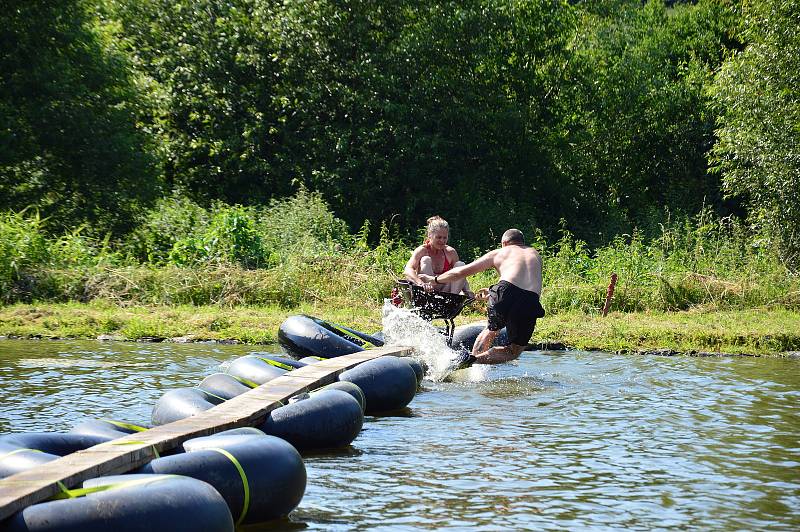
{"type": "Point", "coordinates": [556, 440]}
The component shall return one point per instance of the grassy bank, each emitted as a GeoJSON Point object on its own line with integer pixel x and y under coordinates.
{"type": "Point", "coordinates": [753, 331]}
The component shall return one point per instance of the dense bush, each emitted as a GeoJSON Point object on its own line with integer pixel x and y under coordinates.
{"type": "Point", "coordinates": [492, 113]}
{"type": "Point", "coordinates": [229, 237]}
{"type": "Point", "coordinates": [22, 247]}
{"type": "Point", "coordinates": [580, 122]}
{"type": "Point", "coordinates": [173, 219]}
{"type": "Point", "coordinates": [699, 261]}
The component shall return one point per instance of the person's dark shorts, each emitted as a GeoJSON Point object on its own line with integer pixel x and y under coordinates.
{"type": "Point", "coordinates": [515, 309]}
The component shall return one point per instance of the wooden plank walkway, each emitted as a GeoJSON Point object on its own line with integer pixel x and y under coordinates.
{"type": "Point", "coordinates": [130, 452]}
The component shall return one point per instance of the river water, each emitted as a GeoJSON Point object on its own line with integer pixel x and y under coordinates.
{"type": "Point", "coordinates": [554, 441]}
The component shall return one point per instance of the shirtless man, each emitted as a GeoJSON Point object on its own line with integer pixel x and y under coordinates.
{"type": "Point", "coordinates": [513, 302]}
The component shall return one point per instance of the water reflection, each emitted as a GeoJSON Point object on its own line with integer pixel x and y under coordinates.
{"type": "Point", "coordinates": [553, 441]}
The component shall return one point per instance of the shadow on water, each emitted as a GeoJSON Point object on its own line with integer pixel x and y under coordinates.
{"type": "Point", "coordinates": [343, 452]}
{"type": "Point", "coordinates": [403, 412]}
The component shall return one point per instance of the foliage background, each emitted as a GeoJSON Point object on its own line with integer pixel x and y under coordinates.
{"type": "Point", "coordinates": [257, 150]}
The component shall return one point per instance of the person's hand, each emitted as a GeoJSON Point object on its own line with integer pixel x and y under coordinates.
{"type": "Point", "coordinates": [427, 282]}
{"type": "Point", "coordinates": [482, 295]}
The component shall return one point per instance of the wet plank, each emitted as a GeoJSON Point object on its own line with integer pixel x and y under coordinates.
{"type": "Point", "coordinates": [132, 451]}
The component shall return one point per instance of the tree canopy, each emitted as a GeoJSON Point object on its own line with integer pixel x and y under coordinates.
{"type": "Point", "coordinates": [758, 93]}
{"type": "Point", "coordinates": [596, 116]}
{"type": "Point", "coordinates": [70, 137]}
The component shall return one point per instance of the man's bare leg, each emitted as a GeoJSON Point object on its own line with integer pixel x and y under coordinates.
{"type": "Point", "coordinates": [498, 355]}
{"type": "Point", "coordinates": [484, 341]}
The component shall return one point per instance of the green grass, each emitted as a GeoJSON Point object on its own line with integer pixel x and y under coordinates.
{"type": "Point", "coordinates": [751, 331]}
{"type": "Point", "coordinates": [269, 258]}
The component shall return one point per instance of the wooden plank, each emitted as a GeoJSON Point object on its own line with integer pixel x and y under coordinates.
{"type": "Point", "coordinates": [130, 452]}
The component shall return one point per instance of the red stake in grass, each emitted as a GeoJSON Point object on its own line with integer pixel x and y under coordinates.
{"type": "Point", "coordinates": [610, 293]}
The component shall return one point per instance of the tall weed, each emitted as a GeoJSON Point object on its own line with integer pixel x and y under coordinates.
{"type": "Point", "coordinates": [22, 246]}
{"type": "Point", "coordinates": [173, 219]}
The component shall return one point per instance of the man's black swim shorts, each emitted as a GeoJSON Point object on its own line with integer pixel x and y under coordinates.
{"type": "Point", "coordinates": [515, 309]}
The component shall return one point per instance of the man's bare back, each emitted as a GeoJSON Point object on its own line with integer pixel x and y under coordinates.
{"type": "Point", "coordinates": [519, 265]}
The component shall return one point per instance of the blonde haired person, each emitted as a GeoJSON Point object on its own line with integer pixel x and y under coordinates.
{"type": "Point", "coordinates": [434, 257]}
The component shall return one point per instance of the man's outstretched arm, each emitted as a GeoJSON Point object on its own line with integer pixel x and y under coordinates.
{"type": "Point", "coordinates": [478, 265]}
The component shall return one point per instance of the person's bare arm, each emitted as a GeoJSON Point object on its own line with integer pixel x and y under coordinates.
{"type": "Point", "coordinates": [411, 271]}
{"type": "Point", "coordinates": [478, 265]}
{"type": "Point", "coordinates": [455, 256]}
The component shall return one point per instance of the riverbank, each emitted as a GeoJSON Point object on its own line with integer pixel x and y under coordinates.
{"type": "Point", "coordinates": [751, 332]}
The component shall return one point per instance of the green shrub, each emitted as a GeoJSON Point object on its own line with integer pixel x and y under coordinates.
{"type": "Point", "coordinates": [302, 225]}
{"type": "Point", "coordinates": [229, 237]}
{"type": "Point", "coordinates": [233, 255]}
{"type": "Point", "coordinates": [172, 220]}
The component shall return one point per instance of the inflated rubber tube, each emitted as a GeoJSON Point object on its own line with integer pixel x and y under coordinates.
{"type": "Point", "coordinates": [182, 403]}
{"type": "Point", "coordinates": [279, 361]}
{"type": "Point", "coordinates": [55, 443]}
{"type": "Point", "coordinates": [347, 387]}
{"type": "Point", "coordinates": [326, 420]}
{"type": "Point", "coordinates": [222, 439]}
{"type": "Point", "coordinates": [174, 504]}
{"type": "Point", "coordinates": [107, 428]}
{"type": "Point", "coordinates": [304, 336]}
{"type": "Point", "coordinates": [224, 385]}
{"type": "Point", "coordinates": [15, 459]}
{"type": "Point", "coordinates": [416, 365]}
{"type": "Point", "coordinates": [260, 477]}
{"type": "Point", "coordinates": [464, 336]}
{"type": "Point", "coordinates": [254, 369]}
{"type": "Point", "coordinates": [388, 383]}
{"type": "Point", "coordinates": [369, 339]}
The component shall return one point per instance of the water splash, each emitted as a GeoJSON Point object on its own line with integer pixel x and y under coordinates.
{"type": "Point", "coordinates": [403, 327]}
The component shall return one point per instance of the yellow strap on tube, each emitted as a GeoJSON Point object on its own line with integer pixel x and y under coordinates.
{"type": "Point", "coordinates": [275, 363]}
{"type": "Point", "coordinates": [136, 442]}
{"type": "Point", "coordinates": [123, 425]}
{"type": "Point", "coordinates": [246, 382]}
{"type": "Point", "coordinates": [15, 451]}
{"type": "Point", "coordinates": [211, 394]}
{"type": "Point", "coordinates": [351, 335]}
{"type": "Point", "coordinates": [67, 493]}
{"type": "Point", "coordinates": [245, 484]}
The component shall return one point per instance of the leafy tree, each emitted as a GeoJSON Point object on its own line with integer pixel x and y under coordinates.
{"type": "Point", "coordinates": [69, 141]}
{"type": "Point", "coordinates": [489, 112]}
{"type": "Point", "coordinates": [212, 66]}
{"type": "Point", "coordinates": [424, 107]}
{"type": "Point", "coordinates": [636, 121]}
{"type": "Point", "coordinates": [758, 92]}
